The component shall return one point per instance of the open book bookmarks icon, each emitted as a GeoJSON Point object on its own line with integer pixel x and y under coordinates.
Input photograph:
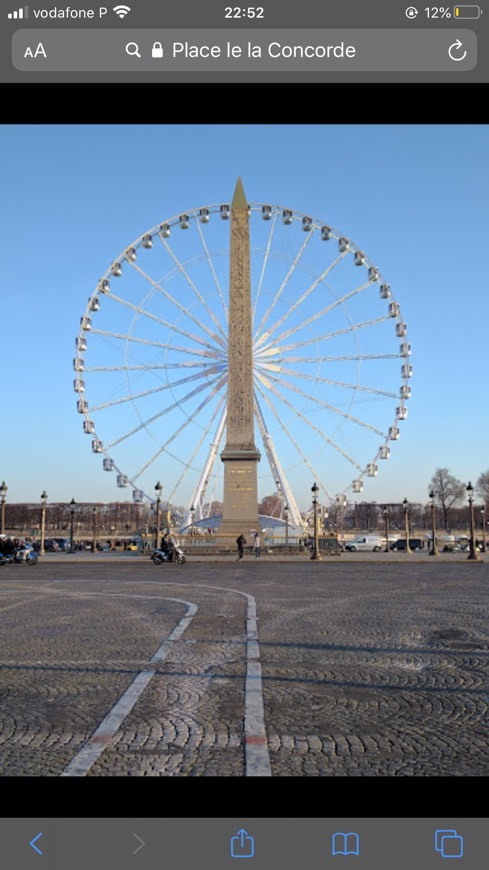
{"type": "Point", "coordinates": [346, 844]}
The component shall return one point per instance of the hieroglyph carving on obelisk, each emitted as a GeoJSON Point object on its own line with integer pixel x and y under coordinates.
{"type": "Point", "coordinates": [240, 455]}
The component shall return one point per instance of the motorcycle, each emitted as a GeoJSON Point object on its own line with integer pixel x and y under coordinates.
{"type": "Point", "coordinates": [22, 555]}
{"type": "Point", "coordinates": [173, 554]}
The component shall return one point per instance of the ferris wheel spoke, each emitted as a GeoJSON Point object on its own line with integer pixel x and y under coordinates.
{"type": "Point", "coordinates": [264, 265]}
{"type": "Point", "coordinates": [182, 428]}
{"type": "Point", "coordinates": [222, 340]}
{"type": "Point", "coordinates": [309, 423]}
{"type": "Point", "coordinates": [329, 335]}
{"type": "Point", "coordinates": [131, 397]}
{"type": "Point", "coordinates": [184, 309]}
{"type": "Point", "coordinates": [214, 274]}
{"type": "Point", "coordinates": [299, 301]}
{"type": "Point", "coordinates": [201, 488]}
{"type": "Point", "coordinates": [318, 314]}
{"type": "Point", "coordinates": [323, 404]}
{"type": "Point", "coordinates": [180, 365]}
{"type": "Point", "coordinates": [284, 283]}
{"type": "Point", "coordinates": [145, 423]}
{"type": "Point", "coordinates": [217, 353]}
{"type": "Point", "coordinates": [303, 456]}
{"type": "Point", "coordinates": [269, 367]}
{"type": "Point", "coordinates": [355, 357]}
{"type": "Point", "coordinates": [275, 464]}
{"type": "Point", "coordinates": [172, 326]}
{"type": "Point", "coordinates": [165, 346]}
{"type": "Point", "coordinates": [215, 441]}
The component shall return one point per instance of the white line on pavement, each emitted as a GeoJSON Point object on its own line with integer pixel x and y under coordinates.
{"type": "Point", "coordinates": [257, 756]}
{"type": "Point", "coordinates": [86, 757]}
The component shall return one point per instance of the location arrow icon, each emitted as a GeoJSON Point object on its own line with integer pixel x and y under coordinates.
{"type": "Point", "coordinates": [33, 843]}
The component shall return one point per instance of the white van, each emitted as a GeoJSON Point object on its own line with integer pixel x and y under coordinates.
{"type": "Point", "coordinates": [365, 542]}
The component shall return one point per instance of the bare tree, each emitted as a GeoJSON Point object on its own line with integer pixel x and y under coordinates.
{"type": "Point", "coordinates": [270, 505]}
{"type": "Point", "coordinates": [213, 509]}
{"type": "Point", "coordinates": [367, 515]}
{"type": "Point", "coordinates": [448, 490]}
{"type": "Point", "coordinates": [482, 486]}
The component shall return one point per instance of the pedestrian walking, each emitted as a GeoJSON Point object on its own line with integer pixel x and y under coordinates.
{"type": "Point", "coordinates": [241, 541]}
{"type": "Point", "coordinates": [257, 545]}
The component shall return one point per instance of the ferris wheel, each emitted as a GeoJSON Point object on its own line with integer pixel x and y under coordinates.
{"type": "Point", "coordinates": [331, 359]}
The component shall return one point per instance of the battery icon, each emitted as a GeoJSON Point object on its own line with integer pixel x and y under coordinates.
{"type": "Point", "coordinates": [466, 11]}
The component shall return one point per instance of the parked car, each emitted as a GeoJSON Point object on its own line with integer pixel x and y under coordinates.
{"type": "Point", "coordinates": [414, 544]}
{"type": "Point", "coordinates": [365, 542]}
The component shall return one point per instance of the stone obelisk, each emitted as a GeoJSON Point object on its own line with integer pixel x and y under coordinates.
{"type": "Point", "coordinates": [240, 456]}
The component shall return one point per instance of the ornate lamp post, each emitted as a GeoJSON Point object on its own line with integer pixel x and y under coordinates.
{"type": "Point", "coordinates": [385, 514]}
{"type": "Point", "coordinates": [315, 552]}
{"type": "Point", "coordinates": [94, 541]}
{"type": "Point", "coordinates": [434, 550]}
{"type": "Point", "coordinates": [3, 494]}
{"type": "Point", "coordinates": [72, 524]}
{"type": "Point", "coordinates": [472, 552]}
{"type": "Point", "coordinates": [483, 521]}
{"type": "Point", "coordinates": [286, 513]}
{"type": "Point", "coordinates": [44, 501]}
{"type": "Point", "coordinates": [192, 517]}
{"type": "Point", "coordinates": [158, 491]}
{"type": "Point", "coordinates": [406, 523]}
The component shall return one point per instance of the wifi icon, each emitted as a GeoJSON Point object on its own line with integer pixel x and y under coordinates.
{"type": "Point", "coordinates": [121, 11]}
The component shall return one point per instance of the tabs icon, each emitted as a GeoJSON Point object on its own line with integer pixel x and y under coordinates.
{"type": "Point", "coordinates": [449, 844]}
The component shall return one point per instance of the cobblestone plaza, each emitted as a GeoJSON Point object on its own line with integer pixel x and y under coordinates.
{"type": "Point", "coordinates": [350, 668]}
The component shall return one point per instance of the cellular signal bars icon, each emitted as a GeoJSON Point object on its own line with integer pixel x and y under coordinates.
{"type": "Point", "coordinates": [19, 13]}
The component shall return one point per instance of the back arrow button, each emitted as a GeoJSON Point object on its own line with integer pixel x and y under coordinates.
{"type": "Point", "coordinates": [33, 843]}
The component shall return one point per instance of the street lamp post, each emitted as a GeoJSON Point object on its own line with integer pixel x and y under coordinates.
{"type": "Point", "coordinates": [385, 511]}
{"type": "Point", "coordinates": [44, 501]}
{"type": "Point", "coordinates": [192, 517]}
{"type": "Point", "coordinates": [72, 524]}
{"type": "Point", "coordinates": [315, 552]}
{"type": "Point", "coordinates": [472, 552]}
{"type": "Point", "coordinates": [406, 523]}
{"type": "Point", "coordinates": [434, 549]}
{"type": "Point", "coordinates": [483, 521]}
{"type": "Point", "coordinates": [286, 513]}
{"type": "Point", "coordinates": [3, 495]}
{"type": "Point", "coordinates": [94, 542]}
{"type": "Point", "coordinates": [158, 491]}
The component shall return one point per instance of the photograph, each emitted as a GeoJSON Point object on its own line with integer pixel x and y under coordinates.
{"type": "Point", "coordinates": [244, 473]}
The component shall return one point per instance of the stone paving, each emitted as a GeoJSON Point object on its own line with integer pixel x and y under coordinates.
{"type": "Point", "coordinates": [369, 668]}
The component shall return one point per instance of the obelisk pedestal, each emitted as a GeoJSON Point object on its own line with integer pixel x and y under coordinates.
{"type": "Point", "coordinates": [240, 455]}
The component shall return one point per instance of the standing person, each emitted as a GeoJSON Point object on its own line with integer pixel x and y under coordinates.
{"type": "Point", "coordinates": [241, 541]}
{"type": "Point", "coordinates": [257, 545]}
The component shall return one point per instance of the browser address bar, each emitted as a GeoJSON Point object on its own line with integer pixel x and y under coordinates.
{"type": "Point", "coordinates": [245, 50]}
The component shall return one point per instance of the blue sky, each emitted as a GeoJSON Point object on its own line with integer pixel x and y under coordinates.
{"type": "Point", "coordinates": [414, 198]}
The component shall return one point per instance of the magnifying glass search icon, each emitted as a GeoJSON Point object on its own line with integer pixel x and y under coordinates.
{"type": "Point", "coordinates": [133, 48]}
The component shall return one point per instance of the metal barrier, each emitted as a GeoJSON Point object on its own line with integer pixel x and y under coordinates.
{"type": "Point", "coordinates": [330, 545]}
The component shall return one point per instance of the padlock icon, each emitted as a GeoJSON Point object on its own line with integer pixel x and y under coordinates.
{"type": "Point", "coordinates": [157, 50]}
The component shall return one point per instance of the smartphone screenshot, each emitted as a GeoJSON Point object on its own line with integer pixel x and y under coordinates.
{"type": "Point", "coordinates": [275, 42]}
{"type": "Point", "coordinates": [243, 468]}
